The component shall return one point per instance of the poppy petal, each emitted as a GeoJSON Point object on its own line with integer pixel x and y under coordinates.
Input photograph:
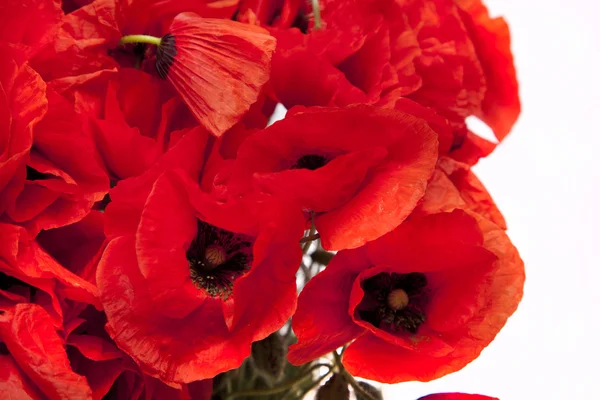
{"type": "Point", "coordinates": [366, 355]}
{"type": "Point", "coordinates": [40, 352]}
{"type": "Point", "coordinates": [149, 337]}
{"type": "Point", "coordinates": [219, 67]}
{"type": "Point", "coordinates": [501, 105]}
{"type": "Point", "coordinates": [14, 383]}
{"type": "Point", "coordinates": [167, 226]}
{"type": "Point", "coordinates": [456, 396]}
{"type": "Point", "coordinates": [324, 331]}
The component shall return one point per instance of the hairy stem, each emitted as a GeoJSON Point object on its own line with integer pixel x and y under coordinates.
{"type": "Point", "coordinates": [280, 388]}
{"type": "Point", "coordinates": [305, 241]}
{"type": "Point", "coordinates": [310, 238]}
{"type": "Point", "coordinates": [141, 39]}
{"type": "Point", "coordinates": [350, 379]}
{"type": "Point", "coordinates": [316, 13]}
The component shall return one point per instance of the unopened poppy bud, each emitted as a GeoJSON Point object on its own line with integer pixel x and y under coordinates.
{"type": "Point", "coordinates": [336, 388]}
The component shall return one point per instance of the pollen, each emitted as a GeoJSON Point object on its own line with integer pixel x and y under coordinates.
{"type": "Point", "coordinates": [215, 255]}
{"type": "Point", "coordinates": [394, 302]}
{"type": "Point", "coordinates": [310, 162]}
{"type": "Point", "coordinates": [397, 299]}
{"type": "Point", "coordinates": [217, 258]}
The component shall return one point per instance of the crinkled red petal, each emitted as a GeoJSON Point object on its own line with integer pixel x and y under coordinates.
{"type": "Point", "coordinates": [31, 338]}
{"type": "Point", "coordinates": [173, 350]}
{"type": "Point", "coordinates": [501, 105]}
{"type": "Point", "coordinates": [220, 68]}
{"type": "Point", "coordinates": [322, 323]}
{"type": "Point", "coordinates": [386, 186]}
{"type": "Point", "coordinates": [23, 104]}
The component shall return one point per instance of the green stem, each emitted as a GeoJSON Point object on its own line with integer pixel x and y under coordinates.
{"type": "Point", "coordinates": [141, 39]}
{"type": "Point", "coordinates": [313, 385]}
{"type": "Point", "coordinates": [310, 238]}
{"type": "Point", "coordinates": [316, 13]}
{"type": "Point", "coordinates": [350, 379]}
{"type": "Point", "coordinates": [307, 240]}
{"type": "Point", "coordinates": [280, 388]}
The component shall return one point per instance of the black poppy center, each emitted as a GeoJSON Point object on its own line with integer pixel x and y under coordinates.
{"type": "Point", "coordinates": [35, 175]}
{"type": "Point", "coordinates": [301, 22]}
{"type": "Point", "coordinates": [394, 302]}
{"type": "Point", "coordinates": [165, 55]}
{"type": "Point", "coordinates": [310, 162]}
{"type": "Point", "coordinates": [3, 349]}
{"type": "Point", "coordinates": [217, 257]}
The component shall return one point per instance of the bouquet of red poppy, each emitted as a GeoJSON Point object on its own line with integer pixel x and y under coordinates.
{"type": "Point", "coordinates": [162, 238]}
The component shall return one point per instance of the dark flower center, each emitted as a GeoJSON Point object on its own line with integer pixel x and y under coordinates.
{"type": "Point", "coordinates": [7, 281]}
{"type": "Point", "coordinates": [301, 22]}
{"type": "Point", "coordinates": [394, 302]}
{"type": "Point", "coordinates": [34, 175]}
{"type": "Point", "coordinates": [3, 349]}
{"type": "Point", "coordinates": [311, 162]}
{"type": "Point", "coordinates": [457, 142]}
{"type": "Point", "coordinates": [165, 55]}
{"type": "Point", "coordinates": [217, 257]}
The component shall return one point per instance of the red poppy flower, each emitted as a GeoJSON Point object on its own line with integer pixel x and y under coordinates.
{"type": "Point", "coordinates": [178, 281]}
{"type": "Point", "coordinates": [218, 67]}
{"type": "Point", "coordinates": [228, 80]}
{"type": "Point", "coordinates": [360, 170]}
{"type": "Point", "coordinates": [435, 52]}
{"type": "Point", "coordinates": [23, 103]}
{"type": "Point", "coordinates": [419, 303]}
{"type": "Point", "coordinates": [456, 396]}
{"type": "Point", "coordinates": [88, 41]}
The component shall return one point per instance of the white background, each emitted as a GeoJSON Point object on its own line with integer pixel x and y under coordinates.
{"type": "Point", "coordinates": [545, 178]}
